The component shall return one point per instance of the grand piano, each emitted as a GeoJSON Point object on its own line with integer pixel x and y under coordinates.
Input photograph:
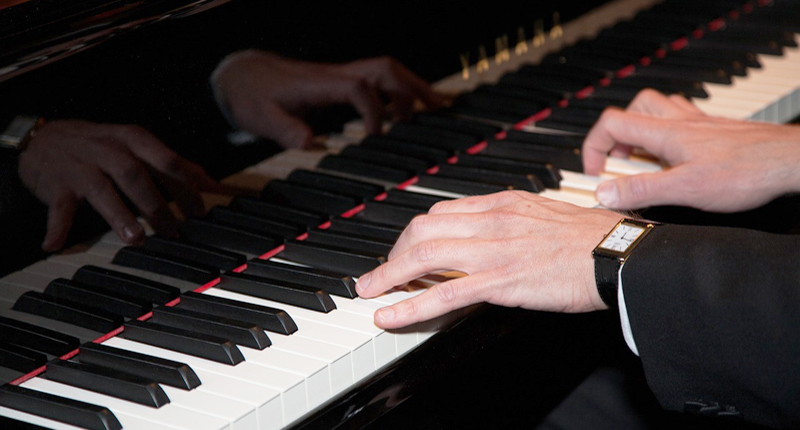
{"type": "Point", "coordinates": [516, 122]}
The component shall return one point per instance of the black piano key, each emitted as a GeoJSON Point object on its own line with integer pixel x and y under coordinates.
{"type": "Point", "coordinates": [372, 229]}
{"type": "Point", "coordinates": [560, 158]}
{"type": "Point", "coordinates": [415, 200]}
{"type": "Point", "coordinates": [547, 173]}
{"type": "Point", "coordinates": [19, 358]}
{"type": "Point", "coordinates": [515, 180]}
{"type": "Point", "coordinates": [11, 424]}
{"type": "Point", "coordinates": [172, 373]}
{"type": "Point", "coordinates": [742, 29]}
{"type": "Point", "coordinates": [555, 140]}
{"type": "Point", "coordinates": [156, 262]}
{"type": "Point", "coordinates": [184, 341]}
{"type": "Point", "coordinates": [384, 158]}
{"type": "Point", "coordinates": [304, 197]}
{"type": "Point", "coordinates": [436, 137]}
{"type": "Point", "coordinates": [747, 59]}
{"type": "Point", "coordinates": [461, 186]}
{"type": "Point", "coordinates": [595, 62]}
{"type": "Point", "coordinates": [493, 116]}
{"type": "Point", "coordinates": [254, 223]}
{"type": "Point", "coordinates": [578, 115]}
{"type": "Point", "coordinates": [594, 102]}
{"type": "Point", "coordinates": [500, 103]}
{"type": "Point", "coordinates": [284, 292]}
{"type": "Point", "coordinates": [222, 236]}
{"type": "Point", "coordinates": [540, 95]}
{"type": "Point", "coordinates": [270, 319]}
{"type": "Point", "coordinates": [416, 150]}
{"type": "Point", "coordinates": [36, 338]}
{"type": "Point", "coordinates": [389, 213]}
{"type": "Point", "coordinates": [659, 69]}
{"type": "Point", "coordinates": [278, 212]}
{"type": "Point", "coordinates": [56, 408]}
{"type": "Point", "coordinates": [564, 86]}
{"type": "Point", "coordinates": [364, 169]}
{"type": "Point", "coordinates": [117, 303]}
{"type": "Point", "coordinates": [334, 283]}
{"type": "Point", "coordinates": [580, 74]}
{"type": "Point", "coordinates": [742, 43]}
{"type": "Point", "coordinates": [203, 254]}
{"type": "Point", "coordinates": [677, 59]}
{"type": "Point", "coordinates": [130, 285]}
{"type": "Point", "coordinates": [563, 125]}
{"type": "Point", "coordinates": [664, 84]}
{"type": "Point", "coordinates": [108, 381]}
{"type": "Point", "coordinates": [348, 240]}
{"type": "Point", "coordinates": [68, 311]}
{"type": "Point", "coordinates": [239, 332]}
{"type": "Point", "coordinates": [336, 184]}
{"type": "Point", "coordinates": [478, 129]}
{"type": "Point", "coordinates": [327, 257]}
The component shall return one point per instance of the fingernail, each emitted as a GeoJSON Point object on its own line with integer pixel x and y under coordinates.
{"type": "Point", "coordinates": [384, 316]}
{"type": "Point", "coordinates": [363, 283]}
{"type": "Point", "coordinates": [130, 233]}
{"type": "Point", "coordinates": [608, 194]}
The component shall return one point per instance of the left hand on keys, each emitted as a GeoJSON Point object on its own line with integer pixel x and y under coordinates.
{"type": "Point", "coordinates": [516, 248]}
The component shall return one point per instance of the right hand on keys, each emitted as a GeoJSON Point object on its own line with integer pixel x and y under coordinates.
{"type": "Point", "coordinates": [70, 161]}
{"type": "Point", "coordinates": [266, 93]}
{"type": "Point", "coordinates": [714, 164]}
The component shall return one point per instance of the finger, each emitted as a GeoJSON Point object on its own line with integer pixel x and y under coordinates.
{"type": "Point", "coordinates": [134, 180]}
{"type": "Point", "coordinates": [394, 79]}
{"type": "Point", "coordinates": [644, 190]}
{"type": "Point", "coordinates": [437, 227]}
{"type": "Point", "coordinates": [436, 301]}
{"type": "Point", "coordinates": [616, 127]}
{"type": "Point", "coordinates": [368, 103]}
{"type": "Point", "coordinates": [422, 259]}
{"type": "Point", "coordinates": [60, 214]}
{"type": "Point", "coordinates": [651, 102]}
{"type": "Point", "coordinates": [474, 204]}
{"type": "Point", "coordinates": [188, 198]}
{"type": "Point", "coordinates": [98, 191]}
{"type": "Point", "coordinates": [686, 105]}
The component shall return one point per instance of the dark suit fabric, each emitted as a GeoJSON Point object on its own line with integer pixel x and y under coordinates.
{"type": "Point", "coordinates": [715, 314]}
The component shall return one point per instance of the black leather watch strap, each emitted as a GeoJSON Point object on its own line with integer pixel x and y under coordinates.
{"type": "Point", "coordinates": [606, 274]}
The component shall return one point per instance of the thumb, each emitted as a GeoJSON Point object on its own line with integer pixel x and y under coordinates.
{"type": "Point", "coordinates": [643, 190]}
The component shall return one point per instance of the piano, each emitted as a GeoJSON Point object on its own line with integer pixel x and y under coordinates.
{"type": "Point", "coordinates": [249, 319]}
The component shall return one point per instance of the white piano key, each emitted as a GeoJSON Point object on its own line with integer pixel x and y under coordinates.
{"type": "Point", "coordinates": [9, 293]}
{"type": "Point", "coordinates": [577, 198]}
{"type": "Point", "coordinates": [169, 415]}
{"type": "Point", "coordinates": [240, 415]}
{"type": "Point", "coordinates": [267, 401]}
{"type": "Point", "coordinates": [343, 329]}
{"type": "Point", "coordinates": [28, 280]}
{"type": "Point", "coordinates": [580, 181]}
{"type": "Point", "coordinates": [626, 166]}
{"type": "Point", "coordinates": [315, 372]}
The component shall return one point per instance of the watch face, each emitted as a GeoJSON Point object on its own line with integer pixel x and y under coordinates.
{"type": "Point", "coordinates": [622, 237]}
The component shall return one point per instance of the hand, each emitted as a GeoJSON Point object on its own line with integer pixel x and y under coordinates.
{"type": "Point", "coordinates": [714, 164]}
{"type": "Point", "coordinates": [266, 93]}
{"type": "Point", "coordinates": [71, 161]}
{"type": "Point", "coordinates": [516, 248]}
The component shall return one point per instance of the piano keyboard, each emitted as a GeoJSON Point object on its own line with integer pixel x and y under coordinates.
{"type": "Point", "coordinates": [193, 355]}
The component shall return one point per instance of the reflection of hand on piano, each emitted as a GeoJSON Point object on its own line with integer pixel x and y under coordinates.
{"type": "Point", "coordinates": [718, 164]}
{"type": "Point", "coordinates": [70, 161]}
{"type": "Point", "coordinates": [518, 249]}
{"type": "Point", "coordinates": [265, 93]}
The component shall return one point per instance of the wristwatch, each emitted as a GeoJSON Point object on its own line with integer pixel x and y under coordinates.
{"type": "Point", "coordinates": [612, 252]}
{"type": "Point", "coordinates": [20, 131]}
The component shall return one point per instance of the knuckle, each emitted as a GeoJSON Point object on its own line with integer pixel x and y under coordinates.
{"type": "Point", "coordinates": [445, 292]}
{"type": "Point", "coordinates": [439, 207]}
{"type": "Point", "coordinates": [130, 170]}
{"type": "Point", "coordinates": [418, 226]}
{"type": "Point", "coordinates": [425, 252]}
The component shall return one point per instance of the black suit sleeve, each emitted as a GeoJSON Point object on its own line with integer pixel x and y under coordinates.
{"type": "Point", "coordinates": [715, 314]}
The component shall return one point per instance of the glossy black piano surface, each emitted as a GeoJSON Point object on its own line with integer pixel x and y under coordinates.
{"type": "Point", "coordinates": [148, 63]}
